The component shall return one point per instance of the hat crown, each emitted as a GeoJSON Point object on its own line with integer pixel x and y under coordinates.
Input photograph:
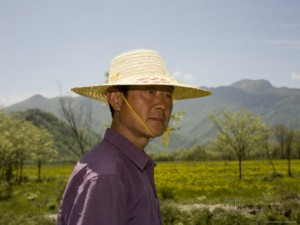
{"type": "Point", "coordinates": [137, 64]}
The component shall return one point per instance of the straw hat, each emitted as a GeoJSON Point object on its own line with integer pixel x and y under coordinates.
{"type": "Point", "coordinates": [140, 67]}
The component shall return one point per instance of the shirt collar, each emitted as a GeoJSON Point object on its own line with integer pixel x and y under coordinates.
{"type": "Point", "coordinates": [138, 157]}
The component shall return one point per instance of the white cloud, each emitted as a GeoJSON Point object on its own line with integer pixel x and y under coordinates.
{"type": "Point", "coordinates": [183, 76]}
{"type": "Point", "coordinates": [176, 74]}
{"type": "Point", "coordinates": [295, 76]}
{"type": "Point", "coordinates": [188, 76]}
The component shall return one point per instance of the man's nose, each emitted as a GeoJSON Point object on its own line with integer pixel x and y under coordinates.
{"type": "Point", "coordinates": [160, 100]}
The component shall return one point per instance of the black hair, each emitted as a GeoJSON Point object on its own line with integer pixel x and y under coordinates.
{"type": "Point", "coordinates": [124, 90]}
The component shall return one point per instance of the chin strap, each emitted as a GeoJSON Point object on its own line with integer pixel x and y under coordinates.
{"type": "Point", "coordinates": [136, 115]}
{"type": "Point", "coordinates": [167, 132]}
{"type": "Point", "coordinates": [167, 135]}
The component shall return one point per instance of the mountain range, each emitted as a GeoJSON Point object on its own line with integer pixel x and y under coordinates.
{"type": "Point", "coordinates": [274, 105]}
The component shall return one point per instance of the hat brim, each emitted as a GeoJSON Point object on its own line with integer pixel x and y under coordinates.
{"type": "Point", "coordinates": [181, 91]}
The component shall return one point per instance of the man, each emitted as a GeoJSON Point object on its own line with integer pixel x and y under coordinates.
{"type": "Point", "coordinates": [114, 183]}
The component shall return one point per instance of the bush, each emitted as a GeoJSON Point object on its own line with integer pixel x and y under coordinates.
{"type": "Point", "coordinates": [5, 190]}
{"type": "Point", "coordinates": [201, 217]}
{"type": "Point", "coordinates": [12, 219]}
{"type": "Point", "coordinates": [171, 215]}
{"type": "Point", "coordinates": [166, 193]}
{"type": "Point", "coordinates": [194, 154]}
{"type": "Point", "coordinates": [230, 218]}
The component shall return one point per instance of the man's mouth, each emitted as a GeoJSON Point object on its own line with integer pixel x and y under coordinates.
{"type": "Point", "coordinates": [157, 119]}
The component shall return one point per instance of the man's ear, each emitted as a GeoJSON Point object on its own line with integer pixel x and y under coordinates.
{"type": "Point", "coordinates": [114, 98]}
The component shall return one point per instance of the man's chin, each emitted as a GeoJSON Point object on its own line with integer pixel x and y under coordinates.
{"type": "Point", "coordinates": [157, 129]}
{"type": "Point", "coordinates": [158, 133]}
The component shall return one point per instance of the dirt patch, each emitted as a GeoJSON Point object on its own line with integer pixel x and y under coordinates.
{"type": "Point", "coordinates": [210, 207]}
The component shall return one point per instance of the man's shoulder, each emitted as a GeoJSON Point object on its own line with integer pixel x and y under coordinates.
{"type": "Point", "coordinates": [104, 159]}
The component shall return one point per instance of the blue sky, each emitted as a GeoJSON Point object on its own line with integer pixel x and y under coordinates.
{"type": "Point", "coordinates": [49, 46]}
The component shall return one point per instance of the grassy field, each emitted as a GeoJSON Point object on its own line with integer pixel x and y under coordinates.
{"type": "Point", "coordinates": [183, 183]}
{"type": "Point", "coordinates": [218, 181]}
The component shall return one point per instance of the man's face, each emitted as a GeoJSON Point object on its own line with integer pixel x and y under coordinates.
{"type": "Point", "coordinates": [153, 104]}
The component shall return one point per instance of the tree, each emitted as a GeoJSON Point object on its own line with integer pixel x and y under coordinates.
{"type": "Point", "coordinates": [296, 145]}
{"type": "Point", "coordinates": [22, 144]}
{"type": "Point", "coordinates": [14, 145]}
{"type": "Point", "coordinates": [265, 140]}
{"type": "Point", "coordinates": [239, 131]}
{"type": "Point", "coordinates": [175, 119]}
{"type": "Point", "coordinates": [79, 120]}
{"type": "Point", "coordinates": [43, 149]}
{"type": "Point", "coordinates": [19, 140]}
{"type": "Point", "coordinates": [7, 131]}
{"type": "Point", "coordinates": [280, 132]}
{"type": "Point", "coordinates": [285, 139]}
{"type": "Point", "coordinates": [59, 130]}
{"type": "Point", "coordinates": [289, 148]}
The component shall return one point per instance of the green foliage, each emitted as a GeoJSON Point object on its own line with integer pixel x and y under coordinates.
{"type": "Point", "coordinates": [239, 131]}
{"type": "Point", "coordinates": [166, 193]}
{"type": "Point", "coordinates": [197, 153]}
{"type": "Point", "coordinates": [5, 190]}
{"type": "Point", "coordinates": [201, 216]}
{"type": "Point", "coordinates": [230, 218]}
{"type": "Point", "coordinates": [35, 203]}
{"type": "Point", "coordinates": [171, 215]}
{"type": "Point", "coordinates": [62, 135]}
{"type": "Point", "coordinates": [10, 218]}
{"type": "Point", "coordinates": [21, 141]}
{"type": "Point", "coordinates": [296, 146]}
{"type": "Point", "coordinates": [176, 119]}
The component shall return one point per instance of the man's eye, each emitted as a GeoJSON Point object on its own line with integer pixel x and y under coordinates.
{"type": "Point", "coordinates": [168, 94]}
{"type": "Point", "coordinates": [150, 91]}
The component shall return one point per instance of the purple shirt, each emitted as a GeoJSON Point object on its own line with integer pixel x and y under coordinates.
{"type": "Point", "coordinates": [111, 185]}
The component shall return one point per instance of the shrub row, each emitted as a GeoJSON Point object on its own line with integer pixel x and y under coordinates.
{"type": "Point", "coordinates": [285, 213]}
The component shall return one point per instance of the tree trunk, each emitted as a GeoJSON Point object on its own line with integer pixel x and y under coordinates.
{"type": "Point", "coordinates": [21, 172]}
{"type": "Point", "coordinates": [289, 168]}
{"type": "Point", "coordinates": [289, 142]}
{"type": "Point", "coordinates": [39, 170]}
{"type": "Point", "coordinates": [271, 160]}
{"type": "Point", "coordinates": [9, 172]}
{"type": "Point", "coordinates": [240, 167]}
